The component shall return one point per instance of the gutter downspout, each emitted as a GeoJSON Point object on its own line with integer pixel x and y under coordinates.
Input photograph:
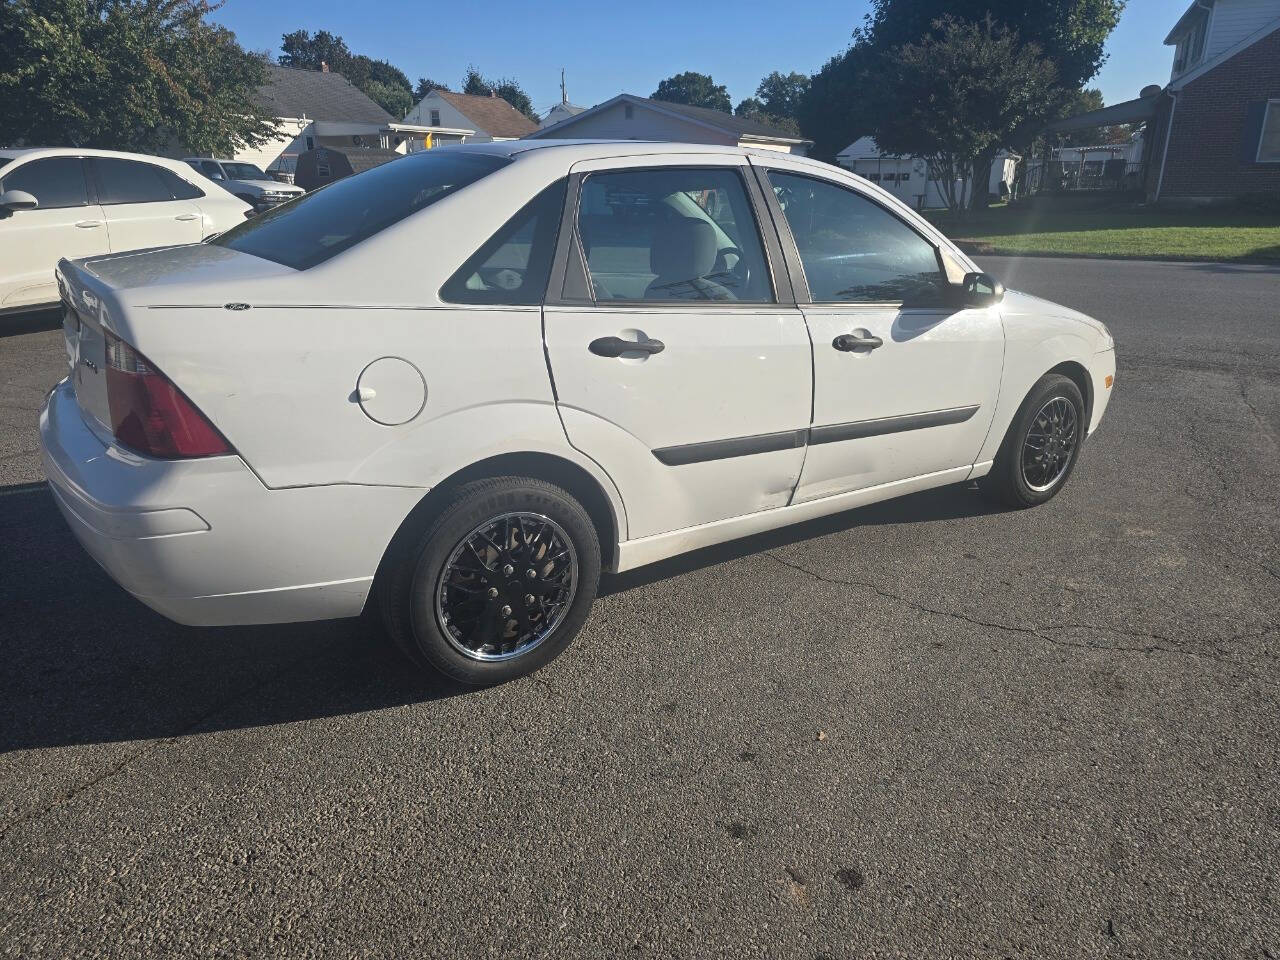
{"type": "Point", "coordinates": [1164, 156]}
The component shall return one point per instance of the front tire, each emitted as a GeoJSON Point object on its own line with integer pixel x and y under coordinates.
{"type": "Point", "coordinates": [498, 583]}
{"type": "Point", "coordinates": [1042, 446]}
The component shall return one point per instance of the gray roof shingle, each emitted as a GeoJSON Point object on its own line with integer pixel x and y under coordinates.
{"type": "Point", "coordinates": [739, 126]}
{"type": "Point", "coordinates": [294, 92]}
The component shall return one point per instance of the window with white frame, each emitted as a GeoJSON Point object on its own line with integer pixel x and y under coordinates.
{"type": "Point", "coordinates": [1269, 142]}
{"type": "Point", "coordinates": [435, 118]}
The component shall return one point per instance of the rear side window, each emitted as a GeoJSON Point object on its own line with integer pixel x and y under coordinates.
{"type": "Point", "coordinates": [128, 181]}
{"type": "Point", "coordinates": [515, 263]}
{"type": "Point", "coordinates": [853, 249]}
{"type": "Point", "coordinates": [54, 181]}
{"type": "Point", "coordinates": [673, 233]}
{"type": "Point", "coordinates": [323, 223]}
{"type": "Point", "coordinates": [180, 189]}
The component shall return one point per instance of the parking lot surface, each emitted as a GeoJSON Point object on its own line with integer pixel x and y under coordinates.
{"type": "Point", "coordinates": [922, 729]}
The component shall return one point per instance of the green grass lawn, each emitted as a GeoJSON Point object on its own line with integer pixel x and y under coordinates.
{"type": "Point", "coordinates": [1117, 232]}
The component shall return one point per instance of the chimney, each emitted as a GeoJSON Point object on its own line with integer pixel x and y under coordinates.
{"type": "Point", "coordinates": [324, 67]}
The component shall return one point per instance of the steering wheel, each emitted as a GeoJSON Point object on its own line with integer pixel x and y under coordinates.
{"type": "Point", "coordinates": [740, 271]}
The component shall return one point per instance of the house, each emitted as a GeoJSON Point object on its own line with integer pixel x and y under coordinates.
{"type": "Point", "coordinates": [909, 178]}
{"type": "Point", "coordinates": [628, 117]}
{"type": "Point", "coordinates": [1212, 133]}
{"type": "Point", "coordinates": [316, 108]}
{"type": "Point", "coordinates": [561, 111]}
{"type": "Point", "coordinates": [485, 118]}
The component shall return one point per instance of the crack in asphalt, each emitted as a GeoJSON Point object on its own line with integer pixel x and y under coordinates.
{"type": "Point", "coordinates": [1159, 644]}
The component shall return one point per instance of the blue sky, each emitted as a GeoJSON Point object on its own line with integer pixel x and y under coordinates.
{"type": "Point", "coordinates": [606, 51]}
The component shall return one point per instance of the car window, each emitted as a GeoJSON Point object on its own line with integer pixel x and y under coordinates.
{"type": "Point", "coordinates": [179, 187]}
{"type": "Point", "coordinates": [243, 171]}
{"type": "Point", "coordinates": [128, 181]}
{"type": "Point", "coordinates": [853, 249]}
{"type": "Point", "coordinates": [54, 181]}
{"type": "Point", "coordinates": [5, 161]}
{"type": "Point", "coordinates": [323, 223]}
{"type": "Point", "coordinates": [515, 263]}
{"type": "Point", "coordinates": [210, 169]}
{"type": "Point", "coordinates": [672, 234]}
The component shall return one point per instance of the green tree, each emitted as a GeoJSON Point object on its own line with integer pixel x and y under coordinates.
{"type": "Point", "coordinates": [958, 95]}
{"type": "Point", "coordinates": [127, 75]}
{"type": "Point", "coordinates": [507, 88]}
{"type": "Point", "coordinates": [1070, 33]}
{"type": "Point", "coordinates": [425, 86]}
{"type": "Point", "coordinates": [396, 100]}
{"type": "Point", "coordinates": [781, 94]}
{"type": "Point", "coordinates": [694, 89]}
{"type": "Point", "coordinates": [300, 49]}
{"type": "Point", "coordinates": [753, 109]}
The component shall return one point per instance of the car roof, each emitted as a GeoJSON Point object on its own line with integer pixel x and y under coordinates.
{"type": "Point", "coordinates": [27, 152]}
{"type": "Point", "coordinates": [579, 150]}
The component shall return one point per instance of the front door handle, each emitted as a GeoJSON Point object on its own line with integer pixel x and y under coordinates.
{"type": "Point", "coordinates": [616, 346]}
{"type": "Point", "coordinates": [88, 224]}
{"type": "Point", "coordinates": [858, 340]}
{"type": "Point", "coordinates": [187, 216]}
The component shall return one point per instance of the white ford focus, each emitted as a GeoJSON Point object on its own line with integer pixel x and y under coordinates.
{"type": "Point", "coordinates": [455, 387]}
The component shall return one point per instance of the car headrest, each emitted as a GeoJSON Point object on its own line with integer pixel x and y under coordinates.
{"type": "Point", "coordinates": [683, 249]}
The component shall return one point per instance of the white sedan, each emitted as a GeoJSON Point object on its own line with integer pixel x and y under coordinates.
{"type": "Point", "coordinates": [452, 389]}
{"type": "Point", "coordinates": [67, 202]}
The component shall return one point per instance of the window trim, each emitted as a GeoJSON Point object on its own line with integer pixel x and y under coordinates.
{"type": "Point", "coordinates": [571, 248]}
{"type": "Point", "coordinates": [792, 250]}
{"type": "Point", "coordinates": [1273, 104]}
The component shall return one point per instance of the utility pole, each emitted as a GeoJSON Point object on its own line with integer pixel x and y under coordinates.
{"type": "Point", "coordinates": [563, 97]}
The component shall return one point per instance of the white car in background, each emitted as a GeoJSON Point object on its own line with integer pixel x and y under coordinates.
{"type": "Point", "coordinates": [66, 202]}
{"type": "Point", "coordinates": [246, 181]}
{"type": "Point", "coordinates": [455, 387]}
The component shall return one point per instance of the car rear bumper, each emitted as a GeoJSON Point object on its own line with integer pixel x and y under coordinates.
{"type": "Point", "coordinates": [204, 542]}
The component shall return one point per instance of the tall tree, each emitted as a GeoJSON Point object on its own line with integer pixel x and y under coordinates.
{"type": "Point", "coordinates": [127, 75]}
{"type": "Point", "coordinates": [694, 89]}
{"type": "Point", "coordinates": [301, 49]}
{"type": "Point", "coordinates": [425, 86]}
{"type": "Point", "coordinates": [1070, 33]}
{"type": "Point", "coordinates": [396, 100]}
{"type": "Point", "coordinates": [958, 95]}
{"type": "Point", "coordinates": [781, 94]}
{"type": "Point", "coordinates": [507, 88]}
{"type": "Point", "coordinates": [753, 109]}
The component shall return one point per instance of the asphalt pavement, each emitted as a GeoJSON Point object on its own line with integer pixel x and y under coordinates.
{"type": "Point", "coordinates": [921, 729]}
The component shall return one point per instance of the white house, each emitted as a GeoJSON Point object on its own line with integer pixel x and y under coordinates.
{"type": "Point", "coordinates": [483, 118]}
{"type": "Point", "coordinates": [318, 108]}
{"type": "Point", "coordinates": [561, 111]}
{"type": "Point", "coordinates": [910, 179]}
{"type": "Point", "coordinates": [628, 117]}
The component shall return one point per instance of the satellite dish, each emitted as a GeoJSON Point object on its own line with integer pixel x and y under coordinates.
{"type": "Point", "coordinates": [1151, 91]}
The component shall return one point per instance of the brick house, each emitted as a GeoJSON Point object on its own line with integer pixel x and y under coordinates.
{"type": "Point", "coordinates": [1213, 133]}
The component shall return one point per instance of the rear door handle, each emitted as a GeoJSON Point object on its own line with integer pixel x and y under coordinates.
{"type": "Point", "coordinates": [187, 216]}
{"type": "Point", "coordinates": [616, 346]}
{"type": "Point", "coordinates": [858, 340]}
{"type": "Point", "coordinates": [88, 224]}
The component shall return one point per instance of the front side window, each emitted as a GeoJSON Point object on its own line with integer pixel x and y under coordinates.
{"type": "Point", "coordinates": [323, 223]}
{"type": "Point", "coordinates": [672, 234]}
{"type": "Point", "coordinates": [515, 263]}
{"type": "Point", "coordinates": [127, 181]}
{"type": "Point", "coordinates": [54, 182]}
{"type": "Point", "coordinates": [853, 249]}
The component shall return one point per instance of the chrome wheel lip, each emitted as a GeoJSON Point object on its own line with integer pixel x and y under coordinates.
{"type": "Point", "coordinates": [523, 646]}
{"type": "Point", "coordinates": [1050, 444]}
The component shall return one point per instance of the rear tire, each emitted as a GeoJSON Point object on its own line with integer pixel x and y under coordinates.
{"type": "Point", "coordinates": [1041, 448]}
{"type": "Point", "coordinates": [497, 584]}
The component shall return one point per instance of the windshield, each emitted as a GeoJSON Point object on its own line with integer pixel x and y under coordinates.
{"type": "Point", "coordinates": [323, 223]}
{"type": "Point", "coordinates": [243, 171]}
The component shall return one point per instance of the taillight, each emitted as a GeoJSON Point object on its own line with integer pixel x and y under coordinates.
{"type": "Point", "coordinates": [149, 414]}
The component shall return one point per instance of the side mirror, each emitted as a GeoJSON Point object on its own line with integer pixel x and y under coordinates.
{"type": "Point", "coordinates": [980, 290]}
{"type": "Point", "coordinates": [12, 200]}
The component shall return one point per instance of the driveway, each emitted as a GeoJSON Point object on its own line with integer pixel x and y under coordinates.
{"type": "Point", "coordinates": [922, 729]}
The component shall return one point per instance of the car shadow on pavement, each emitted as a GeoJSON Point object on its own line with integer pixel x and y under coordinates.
{"type": "Point", "coordinates": [87, 663]}
{"type": "Point", "coordinates": [34, 321]}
